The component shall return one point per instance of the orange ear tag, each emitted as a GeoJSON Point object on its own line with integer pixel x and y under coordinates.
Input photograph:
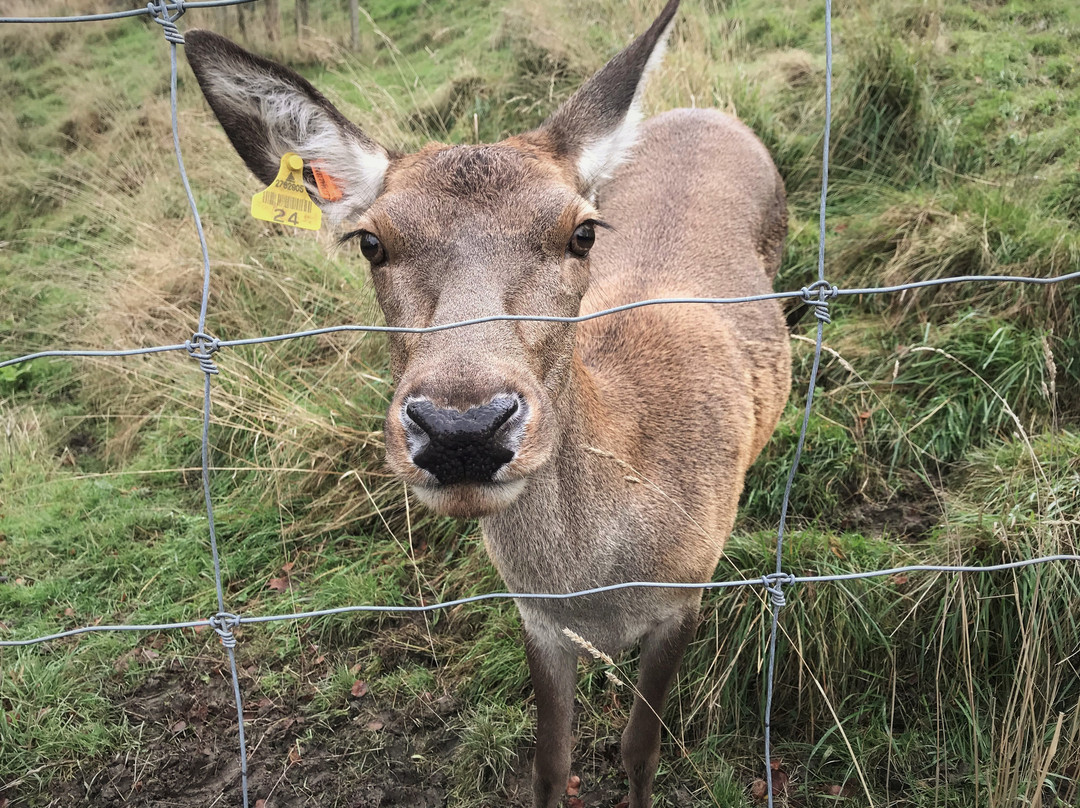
{"type": "Point", "coordinates": [286, 201]}
{"type": "Point", "coordinates": [328, 188]}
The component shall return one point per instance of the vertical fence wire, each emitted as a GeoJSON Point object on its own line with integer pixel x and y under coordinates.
{"type": "Point", "coordinates": [821, 312]}
{"type": "Point", "coordinates": [201, 347]}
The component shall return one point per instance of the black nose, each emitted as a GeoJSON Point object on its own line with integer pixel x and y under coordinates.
{"type": "Point", "coordinates": [463, 447]}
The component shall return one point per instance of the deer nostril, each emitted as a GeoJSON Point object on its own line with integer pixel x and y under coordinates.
{"type": "Point", "coordinates": [467, 446]}
{"type": "Point", "coordinates": [420, 415]}
{"type": "Point", "coordinates": [509, 406]}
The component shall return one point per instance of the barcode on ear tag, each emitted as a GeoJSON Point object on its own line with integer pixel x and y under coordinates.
{"type": "Point", "coordinates": [286, 201]}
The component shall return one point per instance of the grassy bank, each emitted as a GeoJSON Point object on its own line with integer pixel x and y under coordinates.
{"type": "Point", "coordinates": [945, 427]}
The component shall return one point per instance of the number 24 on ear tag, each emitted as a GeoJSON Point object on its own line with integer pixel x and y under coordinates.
{"type": "Point", "coordinates": [286, 201]}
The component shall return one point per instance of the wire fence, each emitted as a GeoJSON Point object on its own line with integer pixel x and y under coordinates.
{"type": "Point", "coordinates": [202, 346]}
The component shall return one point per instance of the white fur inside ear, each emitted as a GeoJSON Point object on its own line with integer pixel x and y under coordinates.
{"type": "Point", "coordinates": [598, 160]}
{"type": "Point", "coordinates": [601, 157]}
{"type": "Point", "coordinates": [294, 123]}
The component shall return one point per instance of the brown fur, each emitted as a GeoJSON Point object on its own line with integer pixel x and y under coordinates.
{"type": "Point", "coordinates": [636, 429]}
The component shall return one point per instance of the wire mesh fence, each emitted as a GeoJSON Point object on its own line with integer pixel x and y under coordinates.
{"type": "Point", "coordinates": [203, 346]}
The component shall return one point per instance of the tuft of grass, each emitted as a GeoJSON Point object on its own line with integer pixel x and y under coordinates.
{"type": "Point", "coordinates": [490, 739]}
{"type": "Point", "coordinates": [886, 125]}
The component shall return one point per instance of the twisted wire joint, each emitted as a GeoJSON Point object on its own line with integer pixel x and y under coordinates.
{"type": "Point", "coordinates": [774, 584]}
{"type": "Point", "coordinates": [159, 12]}
{"type": "Point", "coordinates": [817, 295]}
{"type": "Point", "coordinates": [202, 347]}
{"type": "Point", "coordinates": [223, 623]}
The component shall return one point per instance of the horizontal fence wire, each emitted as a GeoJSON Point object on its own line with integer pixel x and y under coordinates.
{"type": "Point", "coordinates": [768, 582]}
{"type": "Point", "coordinates": [806, 294]}
{"type": "Point", "coordinates": [201, 346]}
{"type": "Point", "coordinates": [151, 10]}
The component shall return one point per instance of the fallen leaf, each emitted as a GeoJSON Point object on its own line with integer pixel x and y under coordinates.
{"type": "Point", "coordinates": [279, 584]}
{"type": "Point", "coordinates": [179, 726]}
{"type": "Point", "coordinates": [573, 786]}
{"type": "Point", "coordinates": [375, 726]}
{"type": "Point", "coordinates": [294, 753]}
{"type": "Point", "coordinates": [355, 669]}
{"type": "Point", "coordinates": [122, 663]}
{"type": "Point", "coordinates": [69, 612]}
{"type": "Point", "coordinates": [287, 567]}
{"type": "Point", "coordinates": [846, 790]}
{"type": "Point", "coordinates": [779, 779]}
{"type": "Point", "coordinates": [574, 802]}
{"type": "Point", "coordinates": [759, 789]}
{"type": "Point", "coordinates": [899, 579]}
{"type": "Point", "coordinates": [265, 703]}
{"type": "Point", "coordinates": [359, 689]}
{"type": "Point", "coordinates": [260, 803]}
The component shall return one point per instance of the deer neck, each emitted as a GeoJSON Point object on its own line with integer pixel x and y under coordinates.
{"type": "Point", "coordinates": [585, 422]}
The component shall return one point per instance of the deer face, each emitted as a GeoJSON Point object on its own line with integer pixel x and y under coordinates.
{"type": "Point", "coordinates": [473, 411]}
{"type": "Point", "coordinates": [455, 233]}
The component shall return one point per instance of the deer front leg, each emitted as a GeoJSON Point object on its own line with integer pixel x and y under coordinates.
{"type": "Point", "coordinates": [661, 654]}
{"type": "Point", "coordinates": [554, 673]}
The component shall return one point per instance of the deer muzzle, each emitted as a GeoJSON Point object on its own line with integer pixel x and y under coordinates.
{"type": "Point", "coordinates": [468, 446]}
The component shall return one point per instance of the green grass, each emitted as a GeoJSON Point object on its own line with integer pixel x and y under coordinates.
{"type": "Point", "coordinates": [944, 428]}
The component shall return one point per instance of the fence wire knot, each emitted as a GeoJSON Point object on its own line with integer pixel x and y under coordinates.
{"type": "Point", "coordinates": [774, 584]}
{"type": "Point", "coordinates": [223, 623]}
{"type": "Point", "coordinates": [201, 347]}
{"type": "Point", "coordinates": [817, 295]}
{"type": "Point", "coordinates": [159, 11]}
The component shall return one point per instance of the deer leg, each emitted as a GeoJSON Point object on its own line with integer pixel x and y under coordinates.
{"type": "Point", "coordinates": [554, 674]}
{"type": "Point", "coordinates": [661, 654]}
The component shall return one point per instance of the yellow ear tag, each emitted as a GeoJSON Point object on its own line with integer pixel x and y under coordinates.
{"type": "Point", "coordinates": [286, 201]}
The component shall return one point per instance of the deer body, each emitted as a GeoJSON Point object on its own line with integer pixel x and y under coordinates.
{"type": "Point", "coordinates": [666, 406]}
{"type": "Point", "coordinates": [601, 453]}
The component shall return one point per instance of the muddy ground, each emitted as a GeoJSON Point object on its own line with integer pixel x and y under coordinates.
{"type": "Point", "coordinates": [371, 755]}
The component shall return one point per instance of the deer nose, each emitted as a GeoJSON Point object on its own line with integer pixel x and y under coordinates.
{"type": "Point", "coordinates": [464, 447]}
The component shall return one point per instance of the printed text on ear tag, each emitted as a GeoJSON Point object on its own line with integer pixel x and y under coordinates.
{"type": "Point", "coordinates": [286, 201]}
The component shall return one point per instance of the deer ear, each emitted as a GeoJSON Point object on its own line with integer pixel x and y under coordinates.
{"type": "Point", "coordinates": [267, 110]}
{"type": "Point", "coordinates": [596, 128]}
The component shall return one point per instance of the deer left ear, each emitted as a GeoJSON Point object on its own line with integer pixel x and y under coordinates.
{"type": "Point", "coordinates": [267, 109]}
{"type": "Point", "coordinates": [596, 128]}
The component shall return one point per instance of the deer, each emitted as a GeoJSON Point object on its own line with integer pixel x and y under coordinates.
{"type": "Point", "coordinates": [593, 453]}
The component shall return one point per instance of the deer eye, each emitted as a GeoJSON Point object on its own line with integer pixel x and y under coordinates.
{"type": "Point", "coordinates": [582, 240]}
{"type": "Point", "coordinates": [371, 248]}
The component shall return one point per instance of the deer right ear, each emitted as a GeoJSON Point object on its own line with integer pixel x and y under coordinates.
{"type": "Point", "coordinates": [597, 127]}
{"type": "Point", "coordinates": [267, 110]}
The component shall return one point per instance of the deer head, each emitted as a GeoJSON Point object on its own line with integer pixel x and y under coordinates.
{"type": "Point", "coordinates": [455, 233]}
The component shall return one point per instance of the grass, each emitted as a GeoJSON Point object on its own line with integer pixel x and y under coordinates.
{"type": "Point", "coordinates": [944, 428]}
